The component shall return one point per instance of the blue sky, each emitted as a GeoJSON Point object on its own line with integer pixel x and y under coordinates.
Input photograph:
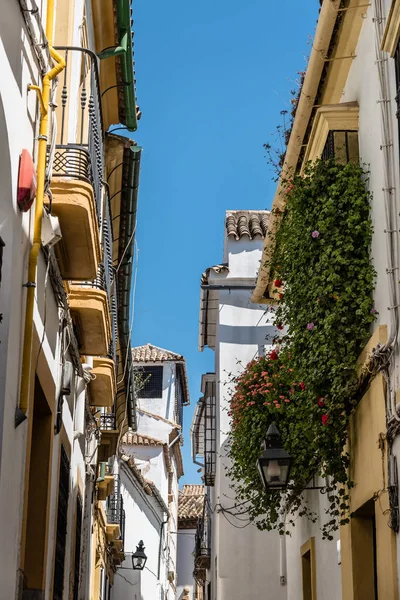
{"type": "Point", "coordinates": [212, 78]}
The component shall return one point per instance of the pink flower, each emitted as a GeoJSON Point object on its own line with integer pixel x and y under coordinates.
{"type": "Point", "coordinates": [310, 326]}
{"type": "Point", "coordinates": [315, 234]}
{"type": "Point", "coordinates": [325, 419]}
{"type": "Point", "coordinates": [291, 391]}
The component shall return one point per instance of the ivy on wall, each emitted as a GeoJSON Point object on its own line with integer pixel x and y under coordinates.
{"type": "Point", "coordinates": [308, 386]}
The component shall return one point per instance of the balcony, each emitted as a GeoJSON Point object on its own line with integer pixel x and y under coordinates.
{"type": "Point", "coordinates": [115, 529]}
{"type": "Point", "coordinates": [105, 482]}
{"type": "Point", "coordinates": [109, 436]}
{"type": "Point", "coordinates": [77, 166]}
{"type": "Point", "coordinates": [202, 559]}
{"type": "Point", "coordinates": [103, 389]}
{"type": "Point", "coordinates": [89, 304]}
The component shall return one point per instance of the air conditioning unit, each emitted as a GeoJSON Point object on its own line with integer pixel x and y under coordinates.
{"type": "Point", "coordinates": [51, 231]}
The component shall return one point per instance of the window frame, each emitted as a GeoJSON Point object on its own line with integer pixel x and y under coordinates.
{"type": "Point", "coordinates": [142, 394]}
{"type": "Point", "coordinates": [333, 117]}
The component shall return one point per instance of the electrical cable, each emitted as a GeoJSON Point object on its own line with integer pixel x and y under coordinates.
{"type": "Point", "coordinates": [236, 526]}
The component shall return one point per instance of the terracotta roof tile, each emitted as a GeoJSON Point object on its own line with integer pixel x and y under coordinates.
{"type": "Point", "coordinates": [249, 223]}
{"type": "Point", "coordinates": [150, 353]}
{"type": "Point", "coordinates": [191, 502]}
{"type": "Point", "coordinates": [136, 439]}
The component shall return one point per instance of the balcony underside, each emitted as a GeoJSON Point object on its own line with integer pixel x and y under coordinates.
{"type": "Point", "coordinates": [203, 561]}
{"type": "Point", "coordinates": [78, 252]}
{"type": "Point", "coordinates": [113, 532]}
{"type": "Point", "coordinates": [105, 487]}
{"type": "Point", "coordinates": [103, 389]}
{"type": "Point", "coordinates": [91, 317]}
{"type": "Point", "coordinates": [108, 444]}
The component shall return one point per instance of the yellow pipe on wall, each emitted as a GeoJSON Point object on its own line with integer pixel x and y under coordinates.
{"type": "Point", "coordinates": [44, 97]}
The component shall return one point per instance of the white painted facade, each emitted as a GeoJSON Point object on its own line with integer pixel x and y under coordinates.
{"type": "Point", "coordinates": [19, 123]}
{"type": "Point", "coordinates": [153, 517]}
{"type": "Point", "coordinates": [185, 560]}
{"type": "Point", "coordinates": [244, 561]}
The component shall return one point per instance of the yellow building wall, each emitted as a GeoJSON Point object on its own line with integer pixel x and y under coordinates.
{"type": "Point", "coordinates": [368, 470]}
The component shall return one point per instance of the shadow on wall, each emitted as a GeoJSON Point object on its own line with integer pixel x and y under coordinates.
{"type": "Point", "coordinates": [7, 237]}
{"type": "Point", "coordinates": [11, 36]}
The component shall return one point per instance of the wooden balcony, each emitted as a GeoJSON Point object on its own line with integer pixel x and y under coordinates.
{"type": "Point", "coordinates": [103, 389]}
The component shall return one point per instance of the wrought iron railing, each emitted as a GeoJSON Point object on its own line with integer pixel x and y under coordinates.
{"type": "Point", "coordinates": [203, 542]}
{"type": "Point", "coordinates": [115, 508]}
{"type": "Point", "coordinates": [79, 153]}
{"type": "Point", "coordinates": [108, 422]}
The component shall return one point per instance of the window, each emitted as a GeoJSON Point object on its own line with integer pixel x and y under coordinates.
{"type": "Point", "coordinates": [78, 535]}
{"type": "Point", "coordinates": [334, 133]}
{"type": "Point", "coordinates": [307, 552]}
{"type": "Point", "coordinates": [61, 535]}
{"type": "Point", "coordinates": [341, 145]}
{"type": "Point", "coordinates": [149, 382]}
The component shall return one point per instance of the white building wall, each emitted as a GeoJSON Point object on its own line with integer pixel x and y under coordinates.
{"type": "Point", "coordinates": [185, 562]}
{"type": "Point", "coordinates": [144, 520]}
{"type": "Point", "coordinates": [17, 130]}
{"type": "Point", "coordinates": [19, 112]}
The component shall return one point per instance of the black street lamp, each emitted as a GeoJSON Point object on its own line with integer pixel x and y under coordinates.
{"type": "Point", "coordinates": [274, 464]}
{"type": "Point", "coordinates": [139, 558]}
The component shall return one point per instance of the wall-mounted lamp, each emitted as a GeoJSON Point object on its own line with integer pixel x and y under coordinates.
{"type": "Point", "coordinates": [139, 558]}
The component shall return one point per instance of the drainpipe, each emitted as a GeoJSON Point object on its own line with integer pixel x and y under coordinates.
{"type": "Point", "coordinates": [160, 547]}
{"type": "Point", "coordinates": [44, 99]}
{"type": "Point", "coordinates": [282, 553]}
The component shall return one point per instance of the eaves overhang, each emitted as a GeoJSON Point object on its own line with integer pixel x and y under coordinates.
{"type": "Point", "coordinates": [127, 228]}
{"type": "Point", "coordinates": [332, 54]}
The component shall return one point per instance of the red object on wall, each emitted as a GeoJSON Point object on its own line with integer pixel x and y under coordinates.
{"type": "Point", "coordinates": [26, 181]}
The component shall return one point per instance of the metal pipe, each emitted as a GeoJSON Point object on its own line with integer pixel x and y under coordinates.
{"type": "Point", "coordinates": [44, 97]}
{"type": "Point", "coordinates": [160, 547]}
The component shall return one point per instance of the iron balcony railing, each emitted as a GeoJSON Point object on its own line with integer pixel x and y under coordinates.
{"type": "Point", "coordinates": [108, 422]}
{"type": "Point", "coordinates": [79, 150]}
{"type": "Point", "coordinates": [203, 542]}
{"type": "Point", "coordinates": [115, 508]}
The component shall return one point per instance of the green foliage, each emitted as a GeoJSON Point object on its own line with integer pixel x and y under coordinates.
{"type": "Point", "coordinates": [322, 261]}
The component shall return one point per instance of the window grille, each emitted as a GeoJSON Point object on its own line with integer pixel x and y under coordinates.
{"type": "Point", "coordinates": [341, 145]}
{"type": "Point", "coordinates": [78, 535]}
{"type": "Point", "coordinates": [151, 382]}
{"type": "Point", "coordinates": [61, 534]}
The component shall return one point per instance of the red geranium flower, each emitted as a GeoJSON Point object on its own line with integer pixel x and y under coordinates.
{"type": "Point", "coordinates": [321, 402]}
{"type": "Point", "coordinates": [273, 355]}
{"type": "Point", "coordinates": [279, 326]}
{"type": "Point", "coordinates": [278, 283]}
{"type": "Point", "coordinates": [302, 385]}
{"type": "Point", "coordinates": [325, 419]}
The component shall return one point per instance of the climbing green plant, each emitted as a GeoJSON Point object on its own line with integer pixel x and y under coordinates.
{"type": "Point", "coordinates": [308, 386]}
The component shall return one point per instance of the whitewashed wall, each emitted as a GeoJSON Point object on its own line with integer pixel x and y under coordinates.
{"type": "Point", "coordinates": [144, 519]}
{"type": "Point", "coordinates": [185, 562]}
{"type": "Point", "coordinates": [18, 129]}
